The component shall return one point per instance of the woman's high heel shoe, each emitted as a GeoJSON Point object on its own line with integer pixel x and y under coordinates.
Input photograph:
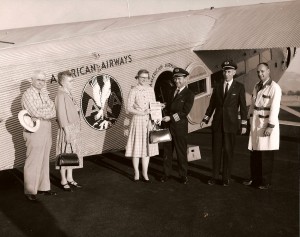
{"type": "Point", "coordinates": [66, 187]}
{"type": "Point", "coordinates": [146, 180]}
{"type": "Point", "coordinates": [74, 184]}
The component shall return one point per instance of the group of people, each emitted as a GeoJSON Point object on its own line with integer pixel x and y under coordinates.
{"type": "Point", "coordinates": [227, 103]}
{"type": "Point", "coordinates": [41, 108]}
{"type": "Point", "coordinates": [176, 109]}
{"type": "Point", "coordinates": [230, 117]}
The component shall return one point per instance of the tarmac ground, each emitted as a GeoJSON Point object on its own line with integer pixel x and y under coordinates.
{"type": "Point", "coordinates": [110, 204]}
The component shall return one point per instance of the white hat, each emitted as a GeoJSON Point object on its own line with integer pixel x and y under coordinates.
{"type": "Point", "coordinates": [27, 122]}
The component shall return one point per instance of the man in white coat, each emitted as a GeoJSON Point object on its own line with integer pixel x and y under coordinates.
{"type": "Point", "coordinates": [264, 128]}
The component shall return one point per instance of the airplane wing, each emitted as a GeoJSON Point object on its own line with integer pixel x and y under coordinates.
{"type": "Point", "coordinates": [266, 25]}
{"type": "Point", "coordinates": [272, 25]}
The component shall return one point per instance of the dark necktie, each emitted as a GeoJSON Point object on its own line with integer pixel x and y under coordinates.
{"type": "Point", "coordinates": [226, 90]}
{"type": "Point", "coordinates": [41, 97]}
{"type": "Point", "coordinates": [176, 93]}
{"type": "Point", "coordinates": [259, 86]}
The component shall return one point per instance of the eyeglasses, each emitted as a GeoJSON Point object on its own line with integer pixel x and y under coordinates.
{"type": "Point", "coordinates": [41, 80]}
{"type": "Point", "coordinates": [144, 77]}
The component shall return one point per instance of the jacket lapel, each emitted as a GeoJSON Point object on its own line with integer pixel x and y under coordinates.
{"type": "Point", "coordinates": [260, 93]}
{"type": "Point", "coordinates": [180, 94]}
{"type": "Point", "coordinates": [220, 91]}
{"type": "Point", "coordinates": [229, 91]}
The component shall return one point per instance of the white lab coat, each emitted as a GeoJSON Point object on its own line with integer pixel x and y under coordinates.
{"type": "Point", "coordinates": [264, 110]}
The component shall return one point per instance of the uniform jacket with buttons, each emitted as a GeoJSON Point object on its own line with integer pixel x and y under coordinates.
{"type": "Point", "coordinates": [227, 110]}
{"type": "Point", "coordinates": [178, 109]}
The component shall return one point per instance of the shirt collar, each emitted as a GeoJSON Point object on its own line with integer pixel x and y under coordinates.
{"type": "Point", "coordinates": [140, 87]}
{"type": "Point", "coordinates": [267, 82]}
{"type": "Point", "coordinates": [229, 82]}
{"type": "Point", "coordinates": [42, 91]}
{"type": "Point", "coordinates": [261, 84]}
{"type": "Point", "coordinates": [180, 89]}
{"type": "Point", "coordinates": [61, 88]}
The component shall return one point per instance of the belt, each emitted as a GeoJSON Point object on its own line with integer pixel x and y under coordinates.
{"type": "Point", "coordinates": [262, 116]}
{"type": "Point", "coordinates": [41, 119]}
{"type": "Point", "coordinates": [261, 108]}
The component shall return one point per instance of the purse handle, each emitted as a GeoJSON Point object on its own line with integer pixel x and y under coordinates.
{"type": "Point", "coordinates": [155, 127]}
{"type": "Point", "coordinates": [66, 148]}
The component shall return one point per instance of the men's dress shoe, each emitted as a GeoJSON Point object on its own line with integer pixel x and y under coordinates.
{"type": "Point", "coordinates": [211, 182]}
{"type": "Point", "coordinates": [226, 183]}
{"type": "Point", "coordinates": [48, 193]}
{"type": "Point", "coordinates": [74, 184]}
{"type": "Point", "coordinates": [31, 197]}
{"type": "Point", "coordinates": [264, 187]}
{"type": "Point", "coordinates": [164, 179]}
{"type": "Point", "coordinates": [248, 182]}
{"type": "Point", "coordinates": [184, 180]}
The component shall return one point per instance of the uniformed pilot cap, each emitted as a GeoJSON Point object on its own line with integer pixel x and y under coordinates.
{"type": "Point", "coordinates": [179, 72]}
{"type": "Point", "coordinates": [229, 65]}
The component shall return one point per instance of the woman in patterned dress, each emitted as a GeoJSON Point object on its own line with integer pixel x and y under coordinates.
{"type": "Point", "coordinates": [138, 145]}
{"type": "Point", "coordinates": [68, 135]}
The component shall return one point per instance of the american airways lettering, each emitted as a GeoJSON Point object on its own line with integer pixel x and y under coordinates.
{"type": "Point", "coordinates": [87, 69]}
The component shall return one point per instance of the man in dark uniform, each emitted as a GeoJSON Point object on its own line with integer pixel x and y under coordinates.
{"type": "Point", "coordinates": [228, 98]}
{"type": "Point", "coordinates": [177, 109]}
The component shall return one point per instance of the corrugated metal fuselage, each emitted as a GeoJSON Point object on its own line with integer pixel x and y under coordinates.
{"type": "Point", "coordinates": [118, 54]}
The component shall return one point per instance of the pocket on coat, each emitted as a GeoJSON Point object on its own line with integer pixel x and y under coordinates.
{"type": "Point", "coordinates": [262, 122]}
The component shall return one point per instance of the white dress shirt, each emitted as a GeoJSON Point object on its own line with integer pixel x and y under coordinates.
{"type": "Point", "coordinates": [229, 84]}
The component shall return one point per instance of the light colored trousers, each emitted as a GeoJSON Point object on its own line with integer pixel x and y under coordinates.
{"type": "Point", "coordinates": [36, 169]}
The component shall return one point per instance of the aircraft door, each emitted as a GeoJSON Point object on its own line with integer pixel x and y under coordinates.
{"type": "Point", "coordinates": [164, 86]}
{"type": "Point", "coordinates": [199, 82]}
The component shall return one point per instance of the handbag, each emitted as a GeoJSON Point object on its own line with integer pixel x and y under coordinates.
{"type": "Point", "coordinates": [67, 159]}
{"type": "Point", "coordinates": [159, 135]}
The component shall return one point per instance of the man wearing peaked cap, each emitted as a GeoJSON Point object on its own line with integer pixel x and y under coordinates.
{"type": "Point", "coordinates": [227, 101]}
{"type": "Point", "coordinates": [177, 109]}
{"type": "Point", "coordinates": [228, 65]}
{"type": "Point", "coordinates": [179, 72]}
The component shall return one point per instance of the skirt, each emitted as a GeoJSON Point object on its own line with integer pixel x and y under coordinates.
{"type": "Point", "coordinates": [76, 144]}
{"type": "Point", "coordinates": [138, 138]}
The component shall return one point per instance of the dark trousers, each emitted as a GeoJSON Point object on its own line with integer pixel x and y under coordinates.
{"type": "Point", "coordinates": [223, 147]}
{"type": "Point", "coordinates": [261, 166]}
{"type": "Point", "coordinates": [180, 145]}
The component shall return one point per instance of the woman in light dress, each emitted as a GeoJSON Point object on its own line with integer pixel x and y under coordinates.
{"type": "Point", "coordinates": [68, 135]}
{"type": "Point", "coordinates": [138, 146]}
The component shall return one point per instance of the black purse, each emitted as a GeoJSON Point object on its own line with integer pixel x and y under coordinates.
{"type": "Point", "coordinates": [67, 159]}
{"type": "Point", "coordinates": [159, 135]}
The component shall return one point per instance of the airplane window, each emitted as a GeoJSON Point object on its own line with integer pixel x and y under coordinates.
{"type": "Point", "coordinates": [265, 56]}
{"type": "Point", "coordinates": [196, 73]}
{"type": "Point", "coordinates": [252, 62]}
{"type": "Point", "coordinates": [198, 87]}
{"type": "Point", "coordinates": [198, 78]}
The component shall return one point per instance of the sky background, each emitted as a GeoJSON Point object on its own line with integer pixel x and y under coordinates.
{"type": "Point", "coordinates": [290, 80]}
{"type": "Point", "coordinates": [25, 13]}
